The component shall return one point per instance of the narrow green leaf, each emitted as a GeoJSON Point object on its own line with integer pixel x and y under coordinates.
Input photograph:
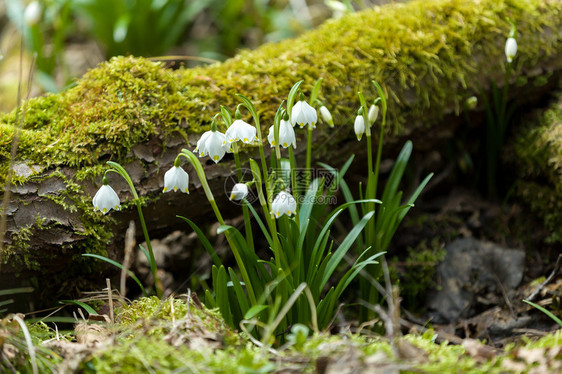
{"type": "Point", "coordinates": [258, 219]}
{"type": "Point", "coordinates": [12, 291]}
{"type": "Point", "coordinates": [254, 311]}
{"type": "Point", "coordinates": [397, 172]}
{"type": "Point", "coordinates": [203, 239]}
{"type": "Point", "coordinates": [249, 105]}
{"type": "Point", "coordinates": [545, 311]}
{"type": "Point", "coordinates": [381, 95]}
{"type": "Point", "coordinates": [315, 91]}
{"type": "Point", "coordinates": [143, 249]}
{"type": "Point", "coordinates": [308, 203]}
{"type": "Point", "coordinates": [316, 251]}
{"type": "Point", "coordinates": [291, 97]}
{"type": "Point", "coordinates": [226, 116]}
{"type": "Point", "coordinates": [210, 300]}
{"type": "Point", "coordinates": [6, 302]}
{"type": "Point", "coordinates": [115, 263]}
{"type": "Point", "coordinates": [344, 247]}
{"type": "Point", "coordinates": [416, 194]}
{"type": "Point", "coordinates": [221, 293]}
{"type": "Point", "coordinates": [241, 296]}
{"type": "Point", "coordinates": [84, 306]}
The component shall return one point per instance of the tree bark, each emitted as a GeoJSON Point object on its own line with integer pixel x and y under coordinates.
{"type": "Point", "coordinates": [430, 56]}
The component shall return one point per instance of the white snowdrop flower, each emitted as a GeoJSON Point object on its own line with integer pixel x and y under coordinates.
{"type": "Point", "coordinates": [240, 130]}
{"type": "Point", "coordinates": [200, 148]}
{"type": "Point", "coordinates": [284, 203]}
{"type": "Point", "coordinates": [215, 146]}
{"type": "Point", "coordinates": [303, 114]}
{"type": "Point", "coordinates": [212, 144]}
{"type": "Point", "coordinates": [510, 49]}
{"type": "Point", "coordinates": [32, 13]}
{"type": "Point", "coordinates": [359, 126]}
{"type": "Point", "coordinates": [327, 116]}
{"type": "Point", "coordinates": [471, 102]}
{"type": "Point", "coordinates": [106, 199]}
{"type": "Point", "coordinates": [239, 192]}
{"type": "Point", "coordinates": [373, 114]}
{"type": "Point", "coordinates": [286, 135]}
{"type": "Point", "coordinates": [271, 136]}
{"type": "Point", "coordinates": [176, 179]}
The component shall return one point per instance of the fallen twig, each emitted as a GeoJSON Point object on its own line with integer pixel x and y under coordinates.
{"type": "Point", "coordinates": [547, 280]}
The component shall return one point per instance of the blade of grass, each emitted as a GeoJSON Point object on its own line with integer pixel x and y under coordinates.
{"type": "Point", "coordinates": [115, 263]}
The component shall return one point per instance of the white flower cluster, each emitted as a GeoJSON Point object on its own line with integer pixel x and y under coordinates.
{"type": "Point", "coordinates": [215, 144]}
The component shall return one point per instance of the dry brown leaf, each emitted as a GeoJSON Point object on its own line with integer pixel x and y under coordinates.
{"type": "Point", "coordinates": [477, 350]}
{"type": "Point", "coordinates": [91, 335]}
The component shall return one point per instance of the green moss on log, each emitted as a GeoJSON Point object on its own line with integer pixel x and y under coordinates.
{"type": "Point", "coordinates": [422, 52]}
{"type": "Point", "coordinates": [539, 149]}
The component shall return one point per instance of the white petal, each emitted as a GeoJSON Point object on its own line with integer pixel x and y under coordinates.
{"type": "Point", "coordinates": [271, 136]}
{"type": "Point", "coordinates": [239, 191]}
{"type": "Point", "coordinates": [32, 13]}
{"type": "Point", "coordinates": [327, 116]}
{"type": "Point", "coordinates": [373, 114]}
{"type": "Point", "coordinates": [359, 127]}
{"type": "Point", "coordinates": [240, 130]}
{"type": "Point", "coordinates": [215, 146]}
{"type": "Point", "coordinates": [200, 148]}
{"type": "Point", "coordinates": [284, 203]}
{"type": "Point", "coordinates": [510, 49]}
{"type": "Point", "coordinates": [286, 134]}
{"type": "Point", "coordinates": [303, 114]}
{"type": "Point", "coordinates": [106, 199]}
{"type": "Point", "coordinates": [176, 179]}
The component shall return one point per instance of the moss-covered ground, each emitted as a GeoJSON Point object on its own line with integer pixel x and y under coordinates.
{"type": "Point", "coordinates": [155, 336]}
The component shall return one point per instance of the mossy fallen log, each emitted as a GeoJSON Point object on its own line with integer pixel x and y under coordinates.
{"type": "Point", "coordinates": [538, 149]}
{"type": "Point", "coordinates": [429, 56]}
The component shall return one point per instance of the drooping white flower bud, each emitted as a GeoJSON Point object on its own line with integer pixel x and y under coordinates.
{"type": "Point", "coordinates": [284, 203]}
{"type": "Point", "coordinates": [239, 192]}
{"type": "Point", "coordinates": [240, 130]}
{"type": "Point", "coordinates": [286, 135]}
{"type": "Point", "coordinates": [303, 114]}
{"type": "Point", "coordinates": [373, 114]}
{"type": "Point", "coordinates": [510, 49]}
{"type": "Point", "coordinates": [32, 13]}
{"type": "Point", "coordinates": [106, 199]}
{"type": "Point", "coordinates": [359, 126]}
{"type": "Point", "coordinates": [212, 144]}
{"type": "Point", "coordinates": [327, 116]}
{"type": "Point", "coordinates": [176, 179]}
{"type": "Point", "coordinates": [472, 102]}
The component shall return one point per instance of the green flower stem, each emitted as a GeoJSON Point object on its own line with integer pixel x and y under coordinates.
{"type": "Point", "coordinates": [245, 212]}
{"type": "Point", "coordinates": [276, 139]}
{"type": "Point", "coordinates": [295, 188]}
{"type": "Point", "coordinates": [378, 160]}
{"type": "Point", "coordinates": [201, 174]}
{"type": "Point", "coordinates": [266, 207]}
{"type": "Point", "coordinates": [504, 97]}
{"type": "Point", "coordinates": [248, 105]}
{"type": "Point", "coordinates": [308, 157]}
{"type": "Point", "coordinates": [153, 268]}
{"type": "Point", "coordinates": [371, 189]}
{"type": "Point", "coordinates": [382, 98]}
{"type": "Point", "coordinates": [293, 163]}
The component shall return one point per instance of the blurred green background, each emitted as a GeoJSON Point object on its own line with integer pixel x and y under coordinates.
{"type": "Point", "coordinates": [70, 36]}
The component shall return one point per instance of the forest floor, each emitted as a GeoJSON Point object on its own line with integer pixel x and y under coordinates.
{"type": "Point", "coordinates": [479, 325]}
